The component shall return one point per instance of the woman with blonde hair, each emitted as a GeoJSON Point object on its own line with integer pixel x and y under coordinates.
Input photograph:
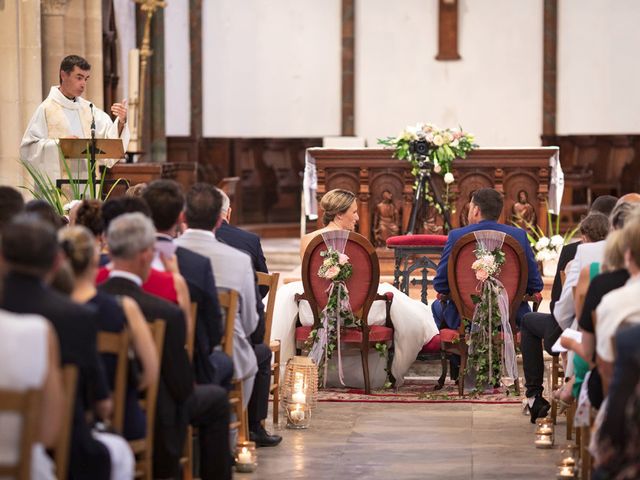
{"type": "Point", "coordinates": [412, 320]}
{"type": "Point", "coordinates": [114, 315]}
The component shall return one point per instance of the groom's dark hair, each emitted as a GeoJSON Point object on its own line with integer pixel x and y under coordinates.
{"type": "Point", "coordinates": [489, 201]}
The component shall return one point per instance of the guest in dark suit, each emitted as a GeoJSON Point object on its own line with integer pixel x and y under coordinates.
{"type": "Point", "coordinates": [131, 239]}
{"type": "Point", "coordinates": [30, 251]}
{"type": "Point", "coordinates": [259, 402]}
{"type": "Point", "coordinates": [166, 203]}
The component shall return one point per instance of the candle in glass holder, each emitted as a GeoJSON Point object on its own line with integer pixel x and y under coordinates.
{"type": "Point", "coordinates": [566, 472]}
{"type": "Point", "coordinates": [297, 414]}
{"type": "Point", "coordinates": [244, 456]}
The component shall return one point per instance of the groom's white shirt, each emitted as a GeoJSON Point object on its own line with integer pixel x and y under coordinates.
{"type": "Point", "coordinates": [233, 270]}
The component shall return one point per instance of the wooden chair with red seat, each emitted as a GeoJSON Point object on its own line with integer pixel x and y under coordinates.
{"type": "Point", "coordinates": [363, 288]}
{"type": "Point", "coordinates": [463, 283]}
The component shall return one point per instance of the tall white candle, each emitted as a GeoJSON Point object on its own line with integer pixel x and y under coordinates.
{"type": "Point", "coordinates": [134, 75]}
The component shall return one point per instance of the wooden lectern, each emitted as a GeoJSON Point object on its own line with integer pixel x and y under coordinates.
{"type": "Point", "coordinates": [77, 151]}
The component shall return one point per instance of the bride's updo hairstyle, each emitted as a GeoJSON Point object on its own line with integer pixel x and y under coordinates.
{"type": "Point", "coordinates": [79, 246]}
{"type": "Point", "coordinates": [334, 202]}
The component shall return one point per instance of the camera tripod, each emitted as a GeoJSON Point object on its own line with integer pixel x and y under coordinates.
{"type": "Point", "coordinates": [424, 179]}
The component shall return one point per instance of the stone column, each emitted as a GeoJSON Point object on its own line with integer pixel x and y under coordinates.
{"type": "Point", "coordinates": [93, 53]}
{"type": "Point", "coordinates": [21, 84]}
{"type": "Point", "coordinates": [53, 36]}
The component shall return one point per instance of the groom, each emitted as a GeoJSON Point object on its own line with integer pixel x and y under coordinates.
{"type": "Point", "coordinates": [484, 210]}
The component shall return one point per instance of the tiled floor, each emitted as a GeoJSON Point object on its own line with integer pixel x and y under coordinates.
{"type": "Point", "coordinates": [409, 441]}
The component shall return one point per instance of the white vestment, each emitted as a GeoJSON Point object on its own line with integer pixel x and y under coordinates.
{"type": "Point", "coordinates": [58, 117]}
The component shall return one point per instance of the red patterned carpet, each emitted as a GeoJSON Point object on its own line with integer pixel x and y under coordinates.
{"type": "Point", "coordinates": [419, 391]}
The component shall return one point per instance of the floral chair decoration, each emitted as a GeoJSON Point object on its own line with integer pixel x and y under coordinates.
{"type": "Point", "coordinates": [340, 276]}
{"type": "Point", "coordinates": [487, 275]}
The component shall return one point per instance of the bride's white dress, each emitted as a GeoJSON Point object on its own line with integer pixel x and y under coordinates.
{"type": "Point", "coordinates": [412, 322]}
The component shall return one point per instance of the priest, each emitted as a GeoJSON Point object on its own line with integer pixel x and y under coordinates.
{"type": "Point", "coordinates": [65, 114]}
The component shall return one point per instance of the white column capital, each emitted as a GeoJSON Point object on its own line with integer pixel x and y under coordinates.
{"type": "Point", "coordinates": [54, 7]}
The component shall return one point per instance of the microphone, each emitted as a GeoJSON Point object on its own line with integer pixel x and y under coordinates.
{"type": "Point", "coordinates": [93, 122]}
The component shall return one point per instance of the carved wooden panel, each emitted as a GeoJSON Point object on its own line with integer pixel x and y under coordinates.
{"type": "Point", "coordinates": [613, 159]}
{"type": "Point", "coordinates": [369, 172]}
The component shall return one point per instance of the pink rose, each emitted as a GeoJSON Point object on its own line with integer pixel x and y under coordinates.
{"type": "Point", "coordinates": [343, 259]}
{"type": "Point", "coordinates": [332, 272]}
{"type": "Point", "coordinates": [482, 275]}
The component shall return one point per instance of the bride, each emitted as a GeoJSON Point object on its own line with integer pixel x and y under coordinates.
{"type": "Point", "coordinates": [412, 320]}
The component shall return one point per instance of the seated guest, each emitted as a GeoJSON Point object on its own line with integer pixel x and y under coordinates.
{"type": "Point", "coordinates": [88, 213]}
{"type": "Point", "coordinates": [131, 240]}
{"type": "Point", "coordinates": [593, 228]}
{"type": "Point", "coordinates": [30, 251]}
{"type": "Point", "coordinates": [259, 402]}
{"type": "Point", "coordinates": [617, 445]}
{"type": "Point", "coordinates": [169, 284]}
{"type": "Point", "coordinates": [232, 270]}
{"type": "Point", "coordinates": [603, 204]}
{"type": "Point", "coordinates": [540, 329]}
{"type": "Point", "coordinates": [11, 204]}
{"type": "Point", "coordinates": [619, 305]}
{"type": "Point", "coordinates": [30, 359]}
{"type": "Point", "coordinates": [166, 203]}
{"type": "Point", "coordinates": [114, 315]}
{"type": "Point", "coordinates": [484, 210]}
{"type": "Point", "coordinates": [46, 212]}
{"type": "Point", "coordinates": [613, 276]}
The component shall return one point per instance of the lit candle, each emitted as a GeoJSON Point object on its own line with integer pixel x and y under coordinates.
{"type": "Point", "coordinates": [298, 414]}
{"type": "Point", "coordinates": [244, 456]}
{"type": "Point", "coordinates": [299, 397]}
{"type": "Point", "coordinates": [566, 472]}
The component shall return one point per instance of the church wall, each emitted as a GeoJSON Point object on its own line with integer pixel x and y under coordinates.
{"type": "Point", "coordinates": [21, 86]}
{"type": "Point", "coordinates": [177, 69]}
{"type": "Point", "coordinates": [271, 69]}
{"type": "Point", "coordinates": [598, 71]}
{"type": "Point", "coordinates": [494, 91]}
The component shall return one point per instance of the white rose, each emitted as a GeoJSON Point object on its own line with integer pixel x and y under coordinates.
{"type": "Point", "coordinates": [557, 241]}
{"type": "Point", "coordinates": [448, 178]}
{"type": "Point", "coordinates": [438, 140]}
{"type": "Point", "coordinates": [542, 243]}
{"type": "Point", "coordinates": [455, 143]}
{"type": "Point", "coordinates": [448, 137]}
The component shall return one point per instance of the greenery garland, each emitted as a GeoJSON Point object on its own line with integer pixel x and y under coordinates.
{"type": "Point", "coordinates": [485, 344]}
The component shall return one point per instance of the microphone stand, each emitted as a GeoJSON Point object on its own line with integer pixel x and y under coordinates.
{"type": "Point", "coordinates": [92, 154]}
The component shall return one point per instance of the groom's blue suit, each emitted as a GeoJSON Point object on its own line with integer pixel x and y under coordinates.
{"type": "Point", "coordinates": [445, 313]}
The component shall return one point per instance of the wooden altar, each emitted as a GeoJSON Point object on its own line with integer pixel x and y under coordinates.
{"type": "Point", "coordinates": [370, 172]}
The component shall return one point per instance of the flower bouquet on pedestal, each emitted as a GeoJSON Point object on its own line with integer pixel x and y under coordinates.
{"type": "Point", "coordinates": [547, 246]}
{"type": "Point", "coordinates": [427, 146]}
